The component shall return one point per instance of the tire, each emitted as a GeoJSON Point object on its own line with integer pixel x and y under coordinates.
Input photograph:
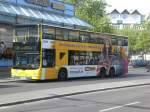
{"type": "Point", "coordinates": [62, 75]}
{"type": "Point", "coordinates": [112, 72]}
{"type": "Point", "coordinates": [102, 73]}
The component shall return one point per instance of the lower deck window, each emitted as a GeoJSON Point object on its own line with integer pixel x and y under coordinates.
{"type": "Point", "coordinates": [48, 58]}
{"type": "Point", "coordinates": [84, 58]}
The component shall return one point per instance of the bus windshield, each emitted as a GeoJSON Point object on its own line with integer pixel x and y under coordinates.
{"type": "Point", "coordinates": [26, 60]}
{"type": "Point", "coordinates": [26, 34]}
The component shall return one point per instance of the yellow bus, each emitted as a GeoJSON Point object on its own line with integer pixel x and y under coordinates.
{"type": "Point", "coordinates": [43, 52]}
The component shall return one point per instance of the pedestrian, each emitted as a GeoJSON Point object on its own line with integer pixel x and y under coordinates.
{"type": "Point", "coordinates": [148, 67]}
{"type": "Point", "coordinates": [2, 48]}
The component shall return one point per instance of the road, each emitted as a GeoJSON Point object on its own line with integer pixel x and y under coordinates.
{"type": "Point", "coordinates": [12, 86]}
{"type": "Point", "coordinates": [135, 99]}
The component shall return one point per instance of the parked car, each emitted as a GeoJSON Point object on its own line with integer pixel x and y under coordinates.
{"type": "Point", "coordinates": [139, 63]}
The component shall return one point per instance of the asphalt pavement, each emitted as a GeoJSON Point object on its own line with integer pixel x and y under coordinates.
{"type": "Point", "coordinates": [4, 73]}
{"type": "Point", "coordinates": [15, 92]}
{"type": "Point", "coordinates": [134, 99]}
{"type": "Point", "coordinates": [9, 85]}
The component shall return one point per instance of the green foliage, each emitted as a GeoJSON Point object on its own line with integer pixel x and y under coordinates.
{"type": "Point", "coordinates": [73, 1]}
{"type": "Point", "coordinates": [139, 40]}
{"type": "Point", "coordinates": [132, 36]}
{"type": "Point", "coordinates": [93, 12]}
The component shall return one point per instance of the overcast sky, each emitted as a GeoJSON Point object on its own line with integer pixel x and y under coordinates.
{"type": "Point", "coordinates": [142, 5]}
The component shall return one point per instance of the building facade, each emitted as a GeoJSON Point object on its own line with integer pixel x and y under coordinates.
{"type": "Point", "coordinates": [12, 12]}
{"type": "Point", "coordinates": [126, 19]}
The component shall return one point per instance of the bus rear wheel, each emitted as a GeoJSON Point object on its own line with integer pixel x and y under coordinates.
{"type": "Point", "coordinates": [102, 73]}
{"type": "Point", "coordinates": [62, 75]}
{"type": "Point", "coordinates": [112, 72]}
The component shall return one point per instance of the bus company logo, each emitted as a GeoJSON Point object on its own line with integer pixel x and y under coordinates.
{"type": "Point", "coordinates": [78, 46]}
{"type": "Point", "coordinates": [90, 68]}
{"type": "Point", "coordinates": [76, 71]}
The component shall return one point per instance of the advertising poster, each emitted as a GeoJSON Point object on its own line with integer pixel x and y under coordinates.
{"type": "Point", "coordinates": [6, 38]}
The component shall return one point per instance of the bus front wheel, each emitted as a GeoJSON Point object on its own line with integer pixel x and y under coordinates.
{"type": "Point", "coordinates": [62, 75]}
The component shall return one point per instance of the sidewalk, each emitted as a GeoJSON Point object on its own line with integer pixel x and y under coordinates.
{"type": "Point", "coordinates": [4, 72]}
{"type": "Point", "coordinates": [37, 95]}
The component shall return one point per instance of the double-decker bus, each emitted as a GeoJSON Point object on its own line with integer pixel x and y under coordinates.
{"type": "Point", "coordinates": [42, 52]}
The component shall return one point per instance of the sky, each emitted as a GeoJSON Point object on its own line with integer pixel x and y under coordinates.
{"type": "Point", "coordinates": [143, 6]}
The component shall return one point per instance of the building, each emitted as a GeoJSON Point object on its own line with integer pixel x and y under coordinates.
{"type": "Point", "coordinates": [12, 12]}
{"type": "Point", "coordinates": [126, 19]}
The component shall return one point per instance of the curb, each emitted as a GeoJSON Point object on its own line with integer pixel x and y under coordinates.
{"type": "Point", "coordinates": [6, 80]}
{"type": "Point", "coordinates": [58, 93]}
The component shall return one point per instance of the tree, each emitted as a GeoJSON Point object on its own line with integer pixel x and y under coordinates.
{"type": "Point", "coordinates": [139, 40]}
{"type": "Point", "coordinates": [132, 37]}
{"type": "Point", "coordinates": [93, 11]}
{"type": "Point", "coordinates": [73, 1]}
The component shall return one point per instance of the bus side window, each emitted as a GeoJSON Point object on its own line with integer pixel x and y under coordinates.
{"type": "Point", "coordinates": [74, 36]}
{"type": "Point", "coordinates": [84, 37]}
{"type": "Point", "coordinates": [65, 34]}
{"type": "Point", "coordinates": [48, 58]}
{"type": "Point", "coordinates": [59, 34]}
{"type": "Point", "coordinates": [48, 36]}
{"type": "Point", "coordinates": [84, 58]}
{"type": "Point", "coordinates": [62, 54]}
{"type": "Point", "coordinates": [48, 33]}
{"type": "Point", "coordinates": [125, 42]}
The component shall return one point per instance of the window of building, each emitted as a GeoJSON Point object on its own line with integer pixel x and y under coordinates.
{"type": "Point", "coordinates": [124, 16]}
{"type": "Point", "coordinates": [136, 16]}
{"type": "Point", "coordinates": [119, 22]}
{"type": "Point", "coordinates": [114, 16]}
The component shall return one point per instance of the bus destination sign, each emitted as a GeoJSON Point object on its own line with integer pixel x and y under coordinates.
{"type": "Point", "coordinates": [25, 47]}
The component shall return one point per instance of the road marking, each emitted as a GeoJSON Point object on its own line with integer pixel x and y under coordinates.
{"type": "Point", "coordinates": [131, 103]}
{"type": "Point", "coordinates": [108, 109]}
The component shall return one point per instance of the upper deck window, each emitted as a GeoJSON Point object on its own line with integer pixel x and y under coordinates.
{"type": "Point", "coordinates": [74, 36]}
{"type": "Point", "coordinates": [62, 34]}
{"type": "Point", "coordinates": [125, 42]}
{"type": "Point", "coordinates": [114, 41]}
{"type": "Point", "coordinates": [26, 34]}
{"type": "Point", "coordinates": [95, 38]}
{"type": "Point", "coordinates": [48, 33]}
{"type": "Point", "coordinates": [84, 37]}
{"type": "Point", "coordinates": [65, 34]}
{"type": "Point", "coordinates": [59, 34]}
